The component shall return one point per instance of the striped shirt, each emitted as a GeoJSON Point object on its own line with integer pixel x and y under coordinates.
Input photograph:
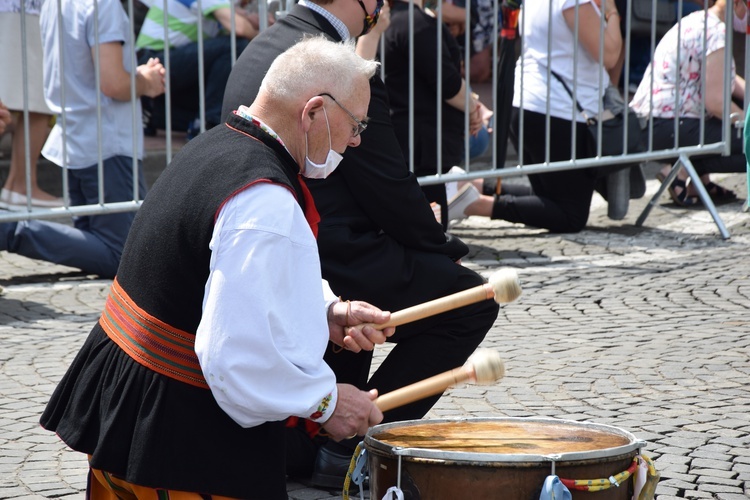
{"type": "Point", "coordinates": [182, 22]}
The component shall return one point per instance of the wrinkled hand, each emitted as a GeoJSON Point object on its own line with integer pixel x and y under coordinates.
{"type": "Point", "coordinates": [4, 117]}
{"type": "Point", "coordinates": [342, 316]}
{"type": "Point", "coordinates": [254, 18]}
{"type": "Point", "coordinates": [475, 118]}
{"type": "Point", "coordinates": [485, 113]}
{"type": "Point", "coordinates": [153, 73]}
{"type": "Point", "coordinates": [354, 414]}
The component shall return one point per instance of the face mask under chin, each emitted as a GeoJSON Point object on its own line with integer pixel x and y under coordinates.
{"type": "Point", "coordinates": [322, 170]}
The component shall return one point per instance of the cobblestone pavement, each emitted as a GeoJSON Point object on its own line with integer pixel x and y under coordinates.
{"type": "Point", "coordinates": [646, 329]}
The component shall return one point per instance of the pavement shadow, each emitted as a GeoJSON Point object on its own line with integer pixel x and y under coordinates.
{"type": "Point", "coordinates": [24, 311]}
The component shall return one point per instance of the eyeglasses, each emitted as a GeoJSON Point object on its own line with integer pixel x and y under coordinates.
{"type": "Point", "coordinates": [361, 125]}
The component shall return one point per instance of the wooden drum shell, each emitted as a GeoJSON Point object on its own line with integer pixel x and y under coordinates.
{"type": "Point", "coordinates": [459, 471]}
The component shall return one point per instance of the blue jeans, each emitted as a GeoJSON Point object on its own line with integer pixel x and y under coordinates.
{"type": "Point", "coordinates": [94, 244]}
{"type": "Point", "coordinates": [183, 74]}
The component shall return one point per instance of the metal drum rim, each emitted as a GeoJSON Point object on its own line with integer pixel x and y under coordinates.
{"type": "Point", "coordinates": [462, 456]}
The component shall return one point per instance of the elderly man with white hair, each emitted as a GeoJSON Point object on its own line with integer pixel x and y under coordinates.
{"type": "Point", "coordinates": [217, 321]}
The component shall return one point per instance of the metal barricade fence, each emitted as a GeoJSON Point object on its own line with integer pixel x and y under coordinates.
{"type": "Point", "coordinates": [490, 166]}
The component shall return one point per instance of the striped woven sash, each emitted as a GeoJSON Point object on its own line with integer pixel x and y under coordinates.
{"type": "Point", "coordinates": [149, 341]}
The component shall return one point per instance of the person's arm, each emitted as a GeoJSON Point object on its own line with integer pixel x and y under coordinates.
{"type": "Point", "coordinates": [588, 31]}
{"type": "Point", "coordinates": [738, 90]}
{"type": "Point", "coordinates": [715, 87]}
{"type": "Point", "coordinates": [4, 117]}
{"type": "Point", "coordinates": [367, 45]}
{"type": "Point", "coordinates": [243, 22]}
{"type": "Point", "coordinates": [115, 81]}
{"type": "Point", "coordinates": [262, 335]}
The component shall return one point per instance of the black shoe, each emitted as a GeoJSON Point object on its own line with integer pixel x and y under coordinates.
{"type": "Point", "coordinates": [330, 468]}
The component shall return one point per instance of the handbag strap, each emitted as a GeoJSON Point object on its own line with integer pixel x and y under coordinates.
{"type": "Point", "coordinates": [578, 105]}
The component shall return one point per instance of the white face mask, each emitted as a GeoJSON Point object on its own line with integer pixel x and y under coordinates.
{"type": "Point", "coordinates": [323, 170]}
{"type": "Point", "coordinates": [739, 24]}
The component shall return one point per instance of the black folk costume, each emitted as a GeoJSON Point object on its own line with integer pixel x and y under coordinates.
{"type": "Point", "coordinates": [134, 398]}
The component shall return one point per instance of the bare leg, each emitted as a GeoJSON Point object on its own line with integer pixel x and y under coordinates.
{"type": "Point", "coordinates": [38, 131]}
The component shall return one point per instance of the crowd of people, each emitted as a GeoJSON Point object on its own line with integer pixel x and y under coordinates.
{"type": "Point", "coordinates": [243, 304]}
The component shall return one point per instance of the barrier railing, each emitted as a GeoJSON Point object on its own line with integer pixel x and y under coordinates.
{"type": "Point", "coordinates": [488, 167]}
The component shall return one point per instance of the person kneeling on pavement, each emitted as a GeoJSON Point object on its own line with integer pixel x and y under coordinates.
{"type": "Point", "coordinates": [218, 318]}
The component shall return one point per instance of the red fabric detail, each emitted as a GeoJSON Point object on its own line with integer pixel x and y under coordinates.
{"type": "Point", "coordinates": [311, 213]}
{"type": "Point", "coordinates": [311, 428]}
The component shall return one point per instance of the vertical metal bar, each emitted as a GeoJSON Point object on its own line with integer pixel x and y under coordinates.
{"type": "Point", "coordinates": [137, 122]}
{"type": "Point", "coordinates": [549, 79]}
{"type": "Point", "coordinates": [495, 76]}
{"type": "Point", "coordinates": [167, 82]}
{"type": "Point", "coordinates": [98, 84]}
{"type": "Point", "coordinates": [746, 100]}
{"type": "Point", "coordinates": [439, 93]}
{"type": "Point", "coordinates": [411, 86]}
{"type": "Point", "coordinates": [263, 14]}
{"type": "Point", "coordinates": [467, 72]}
{"type": "Point", "coordinates": [600, 78]}
{"type": "Point", "coordinates": [232, 32]}
{"type": "Point", "coordinates": [574, 109]}
{"type": "Point", "coordinates": [702, 129]}
{"type": "Point", "coordinates": [626, 75]}
{"type": "Point", "coordinates": [201, 71]}
{"type": "Point", "coordinates": [63, 112]}
{"type": "Point", "coordinates": [25, 84]}
{"type": "Point", "coordinates": [726, 121]}
{"type": "Point", "coordinates": [410, 14]}
{"type": "Point", "coordinates": [521, 135]}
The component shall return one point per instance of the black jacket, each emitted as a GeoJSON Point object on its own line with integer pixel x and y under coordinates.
{"type": "Point", "coordinates": [378, 238]}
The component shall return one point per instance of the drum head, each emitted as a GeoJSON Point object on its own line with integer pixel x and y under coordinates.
{"type": "Point", "coordinates": [509, 439]}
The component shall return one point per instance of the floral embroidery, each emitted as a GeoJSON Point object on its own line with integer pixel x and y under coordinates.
{"type": "Point", "coordinates": [322, 407]}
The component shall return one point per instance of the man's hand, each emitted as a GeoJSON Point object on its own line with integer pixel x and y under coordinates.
{"type": "Point", "coordinates": [4, 117]}
{"type": "Point", "coordinates": [354, 414]}
{"type": "Point", "coordinates": [152, 77]}
{"type": "Point", "coordinates": [342, 316]}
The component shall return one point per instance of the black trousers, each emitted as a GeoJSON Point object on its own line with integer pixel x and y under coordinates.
{"type": "Point", "coordinates": [690, 135]}
{"type": "Point", "coordinates": [558, 201]}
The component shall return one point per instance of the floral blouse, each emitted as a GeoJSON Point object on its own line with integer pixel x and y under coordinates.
{"type": "Point", "coordinates": [686, 79]}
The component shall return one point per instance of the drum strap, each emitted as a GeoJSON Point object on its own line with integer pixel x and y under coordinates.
{"type": "Point", "coordinates": [601, 484]}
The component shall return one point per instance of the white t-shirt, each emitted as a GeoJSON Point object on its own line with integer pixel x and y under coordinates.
{"type": "Point", "coordinates": [535, 28]}
{"type": "Point", "coordinates": [264, 330]}
{"type": "Point", "coordinates": [117, 119]}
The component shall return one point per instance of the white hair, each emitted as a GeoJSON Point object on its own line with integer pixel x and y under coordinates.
{"type": "Point", "coordinates": [315, 65]}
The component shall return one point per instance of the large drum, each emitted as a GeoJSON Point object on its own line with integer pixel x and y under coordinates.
{"type": "Point", "coordinates": [504, 459]}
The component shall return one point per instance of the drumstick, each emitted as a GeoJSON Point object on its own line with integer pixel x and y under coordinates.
{"type": "Point", "coordinates": [483, 367]}
{"type": "Point", "coordinates": [503, 286]}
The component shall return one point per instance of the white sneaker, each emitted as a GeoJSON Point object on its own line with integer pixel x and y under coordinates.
{"type": "Point", "coordinates": [451, 188]}
{"type": "Point", "coordinates": [465, 196]}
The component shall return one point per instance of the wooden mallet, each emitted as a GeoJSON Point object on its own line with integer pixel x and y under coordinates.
{"type": "Point", "coordinates": [503, 286]}
{"type": "Point", "coordinates": [483, 367]}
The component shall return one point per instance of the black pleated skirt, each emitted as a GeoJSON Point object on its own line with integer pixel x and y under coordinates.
{"type": "Point", "coordinates": [155, 431]}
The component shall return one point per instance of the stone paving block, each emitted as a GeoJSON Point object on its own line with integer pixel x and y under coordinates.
{"type": "Point", "coordinates": [702, 463]}
{"type": "Point", "coordinates": [718, 488]}
{"type": "Point", "coordinates": [707, 478]}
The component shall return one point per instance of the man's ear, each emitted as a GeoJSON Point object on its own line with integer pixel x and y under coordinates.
{"type": "Point", "coordinates": [312, 109]}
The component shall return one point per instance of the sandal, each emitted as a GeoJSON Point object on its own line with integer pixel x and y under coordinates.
{"type": "Point", "coordinates": [680, 198]}
{"type": "Point", "coordinates": [720, 194]}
